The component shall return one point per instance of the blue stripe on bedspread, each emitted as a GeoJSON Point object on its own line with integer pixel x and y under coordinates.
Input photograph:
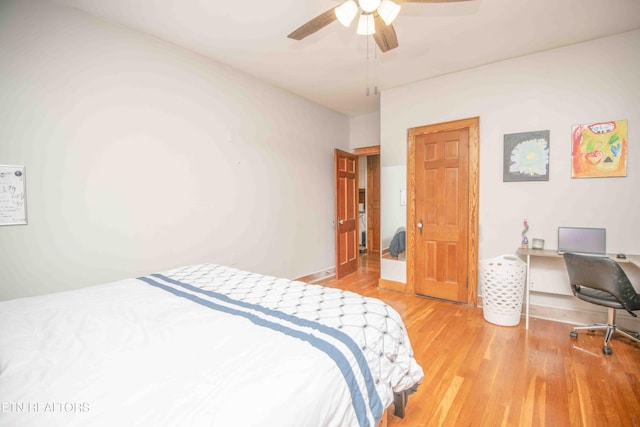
{"type": "Point", "coordinates": [375, 403]}
{"type": "Point", "coordinates": [359, 405]}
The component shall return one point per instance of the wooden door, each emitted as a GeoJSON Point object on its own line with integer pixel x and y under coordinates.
{"type": "Point", "coordinates": [373, 204]}
{"type": "Point", "coordinates": [441, 214]}
{"type": "Point", "coordinates": [346, 204]}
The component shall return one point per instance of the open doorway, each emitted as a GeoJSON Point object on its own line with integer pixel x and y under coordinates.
{"type": "Point", "coordinates": [369, 200]}
{"type": "Point", "coordinates": [357, 208]}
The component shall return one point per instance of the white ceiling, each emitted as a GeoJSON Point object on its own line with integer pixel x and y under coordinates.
{"type": "Point", "coordinates": [330, 67]}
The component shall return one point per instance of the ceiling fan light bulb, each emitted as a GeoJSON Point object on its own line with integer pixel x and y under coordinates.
{"type": "Point", "coordinates": [388, 11]}
{"type": "Point", "coordinates": [366, 25]}
{"type": "Point", "coordinates": [369, 6]}
{"type": "Point", "coordinates": [346, 12]}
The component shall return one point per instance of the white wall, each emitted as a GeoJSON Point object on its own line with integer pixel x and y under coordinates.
{"type": "Point", "coordinates": [141, 157]}
{"type": "Point", "coordinates": [364, 130]}
{"type": "Point", "coordinates": [553, 90]}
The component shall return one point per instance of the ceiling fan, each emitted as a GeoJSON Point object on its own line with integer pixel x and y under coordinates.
{"type": "Point", "coordinates": [376, 19]}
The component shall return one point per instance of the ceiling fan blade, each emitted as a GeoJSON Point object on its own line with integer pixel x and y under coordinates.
{"type": "Point", "coordinates": [429, 1]}
{"type": "Point", "coordinates": [385, 35]}
{"type": "Point", "coordinates": [314, 25]}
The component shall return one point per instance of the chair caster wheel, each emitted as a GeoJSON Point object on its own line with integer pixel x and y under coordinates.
{"type": "Point", "coordinates": [607, 351]}
{"type": "Point", "coordinates": [573, 334]}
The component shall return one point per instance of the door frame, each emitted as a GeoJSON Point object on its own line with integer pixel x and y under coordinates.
{"type": "Point", "coordinates": [373, 215]}
{"type": "Point", "coordinates": [473, 124]}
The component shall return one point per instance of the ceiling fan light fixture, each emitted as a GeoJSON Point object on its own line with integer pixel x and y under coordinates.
{"type": "Point", "coordinates": [346, 12]}
{"type": "Point", "coordinates": [388, 11]}
{"type": "Point", "coordinates": [366, 25]}
{"type": "Point", "coordinates": [369, 6]}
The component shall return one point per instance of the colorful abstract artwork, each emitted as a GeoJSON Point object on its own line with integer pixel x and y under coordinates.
{"type": "Point", "coordinates": [526, 156]}
{"type": "Point", "coordinates": [599, 150]}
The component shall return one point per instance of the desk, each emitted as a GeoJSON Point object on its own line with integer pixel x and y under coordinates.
{"type": "Point", "coordinates": [528, 253]}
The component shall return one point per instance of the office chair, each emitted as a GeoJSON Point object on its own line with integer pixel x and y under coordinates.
{"type": "Point", "coordinates": [601, 281]}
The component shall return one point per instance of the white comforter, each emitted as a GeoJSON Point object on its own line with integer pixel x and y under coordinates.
{"type": "Point", "coordinates": [201, 345]}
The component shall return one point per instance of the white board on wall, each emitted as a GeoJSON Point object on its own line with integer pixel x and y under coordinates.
{"type": "Point", "coordinates": [13, 201]}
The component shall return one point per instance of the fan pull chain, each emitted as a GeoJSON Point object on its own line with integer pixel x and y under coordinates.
{"type": "Point", "coordinates": [367, 66]}
{"type": "Point", "coordinates": [375, 55]}
{"type": "Point", "coordinates": [375, 64]}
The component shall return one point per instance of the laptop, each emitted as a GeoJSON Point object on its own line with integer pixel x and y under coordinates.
{"type": "Point", "coordinates": [582, 240]}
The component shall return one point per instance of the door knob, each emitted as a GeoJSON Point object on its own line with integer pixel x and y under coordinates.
{"type": "Point", "coordinates": [419, 225]}
{"type": "Point", "coordinates": [340, 221]}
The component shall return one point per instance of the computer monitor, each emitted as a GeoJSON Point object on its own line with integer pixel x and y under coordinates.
{"type": "Point", "coordinates": [582, 240]}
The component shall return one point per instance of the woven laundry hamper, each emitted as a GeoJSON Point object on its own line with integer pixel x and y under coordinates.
{"type": "Point", "coordinates": [503, 280]}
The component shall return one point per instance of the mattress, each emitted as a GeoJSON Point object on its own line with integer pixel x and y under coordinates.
{"type": "Point", "coordinates": [203, 345]}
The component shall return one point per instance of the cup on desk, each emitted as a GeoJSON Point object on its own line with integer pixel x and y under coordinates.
{"type": "Point", "coordinates": [537, 243]}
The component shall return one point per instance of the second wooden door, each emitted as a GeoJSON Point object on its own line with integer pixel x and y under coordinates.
{"type": "Point", "coordinates": [441, 214]}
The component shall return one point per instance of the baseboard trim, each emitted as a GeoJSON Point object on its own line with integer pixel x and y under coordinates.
{"type": "Point", "coordinates": [319, 276]}
{"type": "Point", "coordinates": [556, 314]}
{"type": "Point", "coordinates": [391, 285]}
{"type": "Point", "coordinates": [577, 317]}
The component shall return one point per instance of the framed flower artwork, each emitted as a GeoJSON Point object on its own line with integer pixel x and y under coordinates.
{"type": "Point", "coordinates": [526, 156]}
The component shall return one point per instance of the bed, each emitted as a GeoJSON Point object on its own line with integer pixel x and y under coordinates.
{"type": "Point", "coordinates": [202, 345]}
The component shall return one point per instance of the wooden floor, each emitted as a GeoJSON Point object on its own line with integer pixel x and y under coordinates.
{"type": "Point", "coordinates": [480, 374]}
